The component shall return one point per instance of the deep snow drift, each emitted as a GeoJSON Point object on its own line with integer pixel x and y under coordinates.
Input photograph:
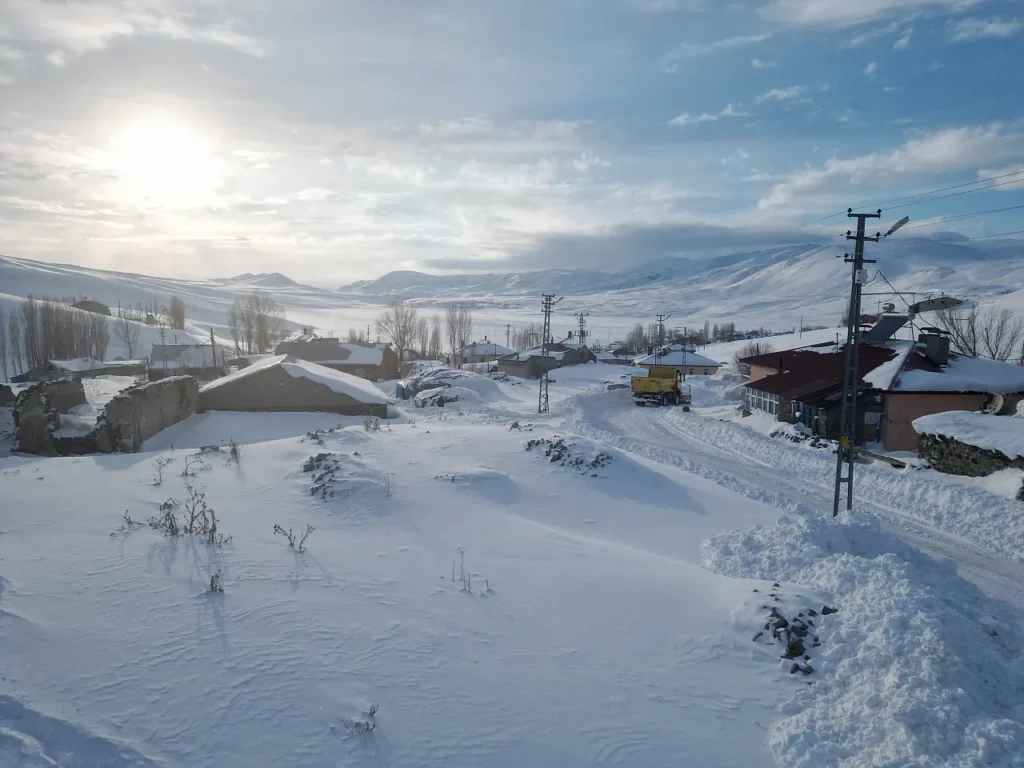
{"type": "Point", "coordinates": [485, 585]}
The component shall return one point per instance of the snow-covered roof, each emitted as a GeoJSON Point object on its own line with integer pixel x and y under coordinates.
{"type": "Point", "coordinates": [79, 364]}
{"type": "Point", "coordinates": [484, 348]}
{"type": "Point", "coordinates": [355, 387]}
{"type": "Point", "coordinates": [910, 371]}
{"type": "Point", "coordinates": [329, 351]}
{"type": "Point", "coordinates": [993, 433]}
{"type": "Point", "coordinates": [556, 351]}
{"type": "Point", "coordinates": [677, 355]}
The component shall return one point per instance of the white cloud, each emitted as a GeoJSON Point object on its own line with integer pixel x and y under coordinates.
{"type": "Point", "coordinates": [1015, 168]}
{"type": "Point", "coordinates": [7, 53]}
{"type": "Point", "coordinates": [904, 42]}
{"type": "Point", "coordinates": [316, 194]}
{"type": "Point", "coordinates": [759, 64]}
{"type": "Point", "coordinates": [871, 68]}
{"type": "Point", "coordinates": [953, 149]}
{"type": "Point", "coordinates": [687, 119]}
{"type": "Point", "coordinates": [846, 13]}
{"type": "Point", "coordinates": [791, 93]}
{"type": "Point", "coordinates": [695, 50]}
{"type": "Point", "coordinates": [76, 27]}
{"type": "Point", "coordinates": [874, 34]}
{"type": "Point", "coordinates": [977, 29]}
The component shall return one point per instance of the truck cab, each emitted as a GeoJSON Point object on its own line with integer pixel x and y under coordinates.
{"type": "Point", "coordinates": [663, 385]}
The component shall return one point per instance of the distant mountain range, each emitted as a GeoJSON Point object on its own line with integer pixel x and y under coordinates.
{"type": "Point", "coordinates": [773, 287]}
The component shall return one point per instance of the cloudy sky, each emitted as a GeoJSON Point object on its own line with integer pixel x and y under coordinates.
{"type": "Point", "coordinates": [336, 140]}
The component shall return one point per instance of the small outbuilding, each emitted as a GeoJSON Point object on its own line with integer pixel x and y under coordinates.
{"type": "Point", "coordinates": [285, 383]}
{"type": "Point", "coordinates": [683, 359]}
{"type": "Point", "coordinates": [88, 305]}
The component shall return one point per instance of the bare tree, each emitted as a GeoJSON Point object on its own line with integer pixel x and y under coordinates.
{"type": "Point", "coordinates": [961, 323]}
{"type": "Point", "coordinates": [423, 335]}
{"type": "Point", "coordinates": [750, 349]}
{"type": "Point", "coordinates": [255, 322]}
{"type": "Point", "coordinates": [176, 313]}
{"type": "Point", "coordinates": [127, 330]}
{"type": "Point", "coordinates": [527, 336]}
{"type": "Point", "coordinates": [435, 337]}
{"type": "Point", "coordinates": [637, 339]}
{"type": "Point", "coordinates": [1001, 334]}
{"type": "Point", "coordinates": [465, 326]}
{"type": "Point", "coordinates": [4, 370]}
{"type": "Point", "coordinates": [451, 326]}
{"type": "Point", "coordinates": [15, 337]}
{"type": "Point", "coordinates": [99, 336]}
{"type": "Point", "coordinates": [400, 324]}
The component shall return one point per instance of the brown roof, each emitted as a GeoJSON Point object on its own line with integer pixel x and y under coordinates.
{"type": "Point", "coordinates": [807, 374]}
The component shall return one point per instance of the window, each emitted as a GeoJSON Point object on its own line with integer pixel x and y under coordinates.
{"type": "Point", "coordinates": [705, 371]}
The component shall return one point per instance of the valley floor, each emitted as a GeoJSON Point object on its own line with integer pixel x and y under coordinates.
{"type": "Point", "coordinates": [575, 589]}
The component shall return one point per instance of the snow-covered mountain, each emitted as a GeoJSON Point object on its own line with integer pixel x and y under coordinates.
{"type": "Point", "coordinates": [774, 288]}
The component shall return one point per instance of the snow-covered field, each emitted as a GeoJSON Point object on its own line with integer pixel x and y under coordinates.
{"type": "Point", "coordinates": [579, 588]}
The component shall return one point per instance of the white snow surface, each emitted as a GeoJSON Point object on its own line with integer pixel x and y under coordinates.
{"type": "Point", "coordinates": [993, 433]}
{"type": "Point", "coordinates": [343, 383]}
{"type": "Point", "coordinates": [965, 374]}
{"type": "Point", "coordinates": [919, 668]}
{"type": "Point", "coordinates": [591, 634]}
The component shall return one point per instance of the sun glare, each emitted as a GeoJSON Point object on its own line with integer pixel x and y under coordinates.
{"type": "Point", "coordinates": [161, 161]}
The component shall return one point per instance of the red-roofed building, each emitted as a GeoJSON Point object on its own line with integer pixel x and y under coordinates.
{"type": "Point", "coordinates": [899, 381]}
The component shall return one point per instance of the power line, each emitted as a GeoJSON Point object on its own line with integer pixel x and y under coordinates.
{"type": "Point", "coordinates": [922, 194]}
{"type": "Point", "coordinates": [941, 219]}
{"type": "Point", "coordinates": [955, 194]}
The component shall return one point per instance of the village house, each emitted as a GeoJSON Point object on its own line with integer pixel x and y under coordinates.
{"type": "Point", "coordinates": [479, 352]}
{"type": "Point", "coordinates": [532, 363]}
{"type": "Point", "coordinates": [199, 360]}
{"type": "Point", "coordinates": [284, 383]}
{"type": "Point", "coordinates": [88, 305]}
{"type": "Point", "coordinates": [616, 353]}
{"type": "Point", "coordinates": [368, 361]}
{"type": "Point", "coordinates": [900, 381]}
{"type": "Point", "coordinates": [682, 358]}
{"type": "Point", "coordinates": [81, 367]}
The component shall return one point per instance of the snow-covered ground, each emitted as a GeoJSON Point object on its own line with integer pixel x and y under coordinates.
{"type": "Point", "coordinates": [579, 588]}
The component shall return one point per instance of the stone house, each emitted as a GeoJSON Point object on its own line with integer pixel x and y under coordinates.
{"type": "Point", "coordinates": [532, 363]}
{"type": "Point", "coordinates": [479, 352]}
{"type": "Point", "coordinates": [285, 383]}
{"type": "Point", "coordinates": [88, 305]}
{"type": "Point", "coordinates": [82, 367]}
{"type": "Point", "coordinates": [199, 360]}
{"type": "Point", "coordinates": [368, 361]}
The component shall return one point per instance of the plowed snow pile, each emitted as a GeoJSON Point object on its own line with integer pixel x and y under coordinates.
{"type": "Point", "coordinates": [918, 668]}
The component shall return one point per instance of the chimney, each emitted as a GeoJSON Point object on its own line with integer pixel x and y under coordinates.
{"type": "Point", "coordinates": [936, 345]}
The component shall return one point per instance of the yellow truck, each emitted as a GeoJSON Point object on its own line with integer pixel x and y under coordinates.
{"type": "Point", "coordinates": [663, 385]}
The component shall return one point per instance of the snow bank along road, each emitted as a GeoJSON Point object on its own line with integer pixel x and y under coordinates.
{"type": "Point", "coordinates": [500, 607]}
{"type": "Point", "coordinates": [981, 532]}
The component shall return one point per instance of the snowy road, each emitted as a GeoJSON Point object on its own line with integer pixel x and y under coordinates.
{"type": "Point", "coordinates": [980, 532]}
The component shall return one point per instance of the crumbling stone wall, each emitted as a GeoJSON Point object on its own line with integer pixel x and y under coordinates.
{"type": "Point", "coordinates": [142, 411]}
{"type": "Point", "coordinates": [953, 457]}
{"type": "Point", "coordinates": [37, 413]}
{"type": "Point", "coordinates": [6, 396]}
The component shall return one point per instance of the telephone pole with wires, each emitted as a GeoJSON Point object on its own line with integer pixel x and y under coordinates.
{"type": "Point", "coordinates": [548, 302]}
{"type": "Point", "coordinates": [848, 424]}
{"type": "Point", "coordinates": [508, 335]}
{"type": "Point", "coordinates": [583, 332]}
{"type": "Point", "coordinates": [661, 338]}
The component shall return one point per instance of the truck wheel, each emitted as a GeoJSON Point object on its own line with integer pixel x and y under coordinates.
{"type": "Point", "coordinates": [686, 409]}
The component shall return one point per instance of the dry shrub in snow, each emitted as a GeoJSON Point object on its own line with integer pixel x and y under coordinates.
{"type": "Point", "coordinates": [299, 546]}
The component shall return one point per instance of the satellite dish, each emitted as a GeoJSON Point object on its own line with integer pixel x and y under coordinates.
{"type": "Point", "coordinates": [994, 404]}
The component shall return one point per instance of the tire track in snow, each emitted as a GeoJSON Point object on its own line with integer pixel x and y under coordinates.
{"type": "Point", "coordinates": [793, 482]}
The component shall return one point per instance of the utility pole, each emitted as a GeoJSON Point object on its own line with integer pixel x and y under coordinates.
{"type": "Point", "coordinates": [163, 347]}
{"type": "Point", "coordinates": [508, 335]}
{"type": "Point", "coordinates": [547, 303]}
{"type": "Point", "coordinates": [213, 349]}
{"type": "Point", "coordinates": [661, 338]}
{"type": "Point", "coordinates": [582, 318]}
{"type": "Point", "coordinates": [848, 424]}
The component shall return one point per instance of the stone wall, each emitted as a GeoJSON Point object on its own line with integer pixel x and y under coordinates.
{"type": "Point", "coordinates": [953, 457]}
{"type": "Point", "coordinates": [37, 413]}
{"type": "Point", "coordinates": [6, 396]}
{"type": "Point", "coordinates": [142, 411]}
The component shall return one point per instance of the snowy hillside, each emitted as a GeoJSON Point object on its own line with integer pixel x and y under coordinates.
{"type": "Point", "coordinates": [599, 586]}
{"type": "Point", "coordinates": [774, 288]}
